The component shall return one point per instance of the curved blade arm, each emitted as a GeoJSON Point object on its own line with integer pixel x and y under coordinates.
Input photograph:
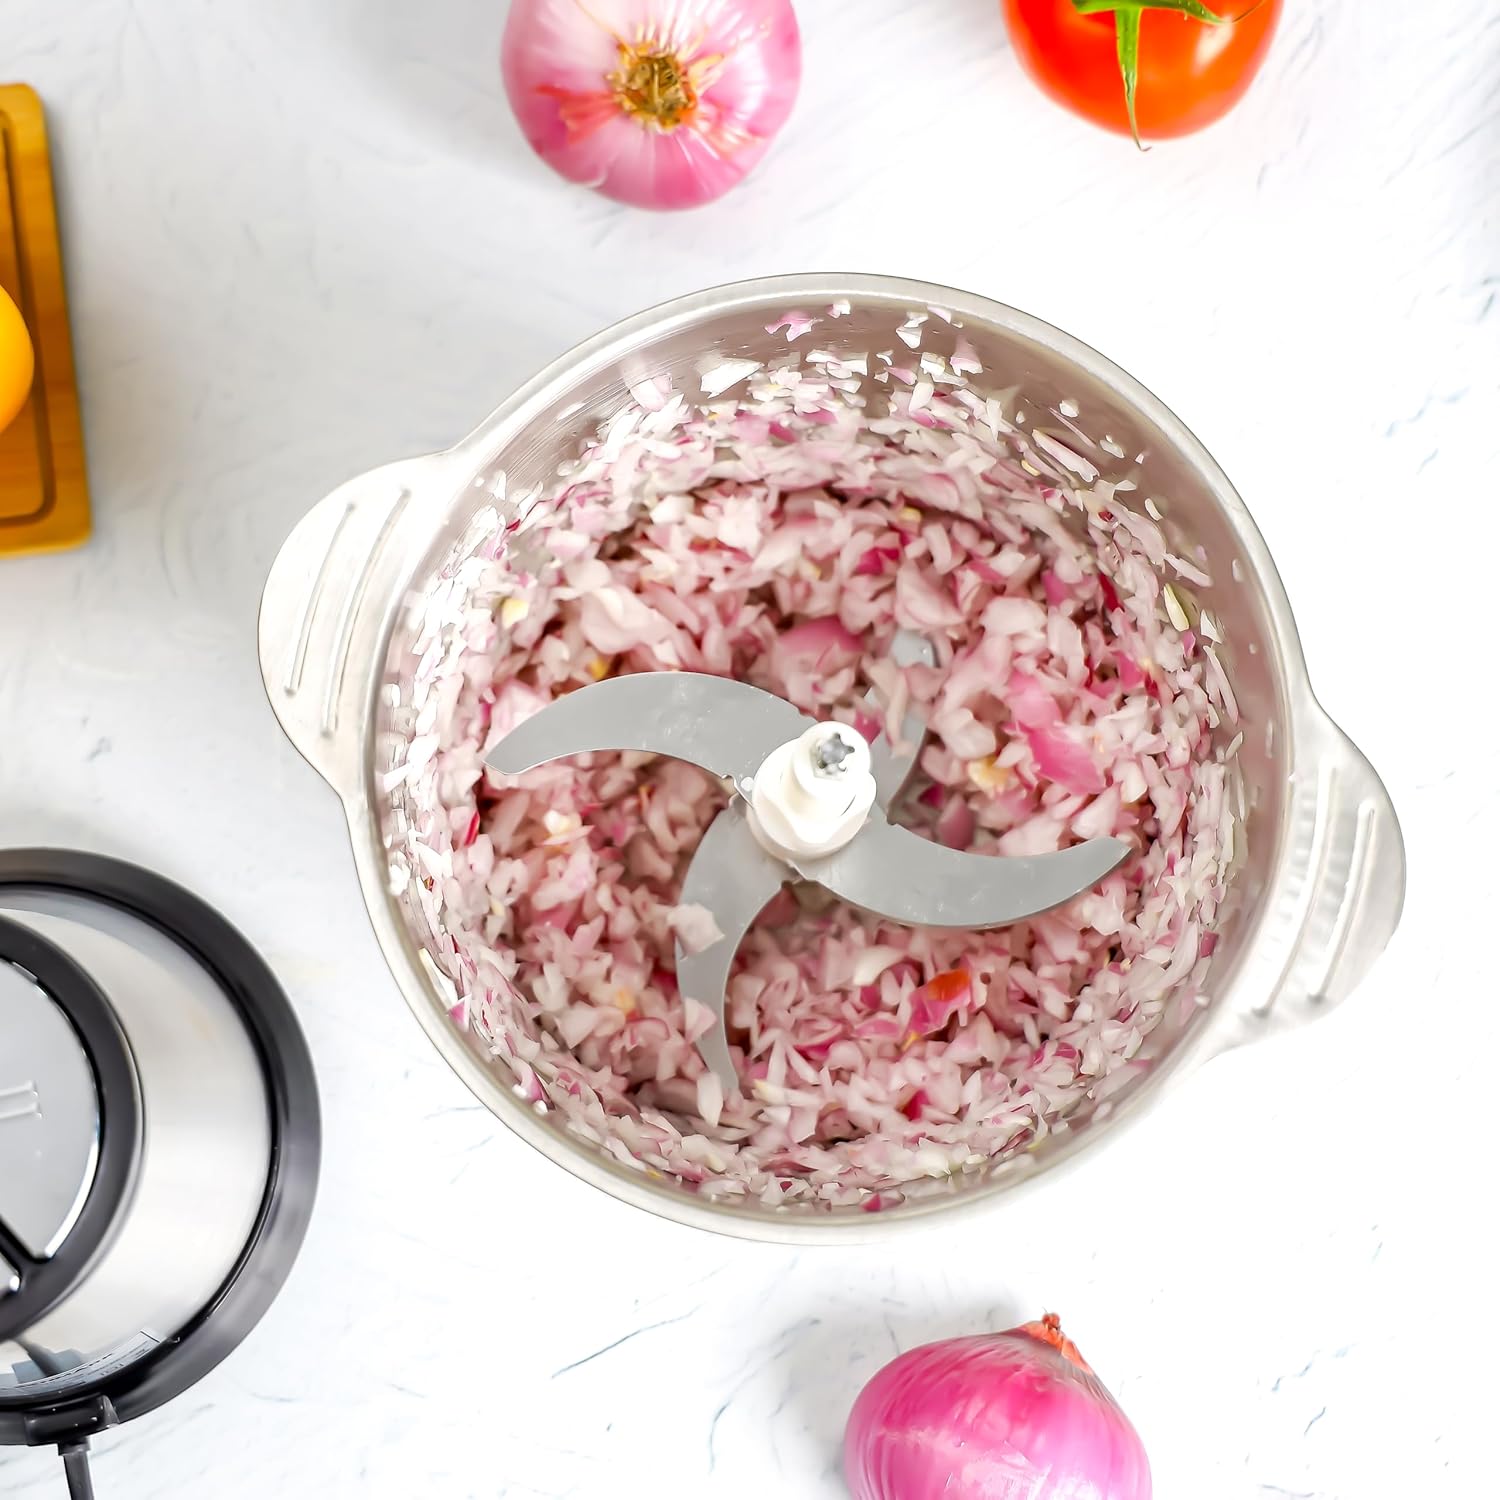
{"type": "Point", "coordinates": [726, 727]}
{"type": "Point", "coordinates": [733, 877]}
{"type": "Point", "coordinates": [889, 768]}
{"type": "Point", "coordinates": [895, 873]}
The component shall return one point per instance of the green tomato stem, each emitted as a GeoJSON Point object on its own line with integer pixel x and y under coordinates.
{"type": "Point", "coordinates": [1127, 14]}
{"type": "Point", "coordinates": [1193, 8]}
{"type": "Point", "coordinates": [1128, 50]}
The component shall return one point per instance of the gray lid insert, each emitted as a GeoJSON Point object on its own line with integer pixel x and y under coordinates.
{"type": "Point", "coordinates": [49, 1118]}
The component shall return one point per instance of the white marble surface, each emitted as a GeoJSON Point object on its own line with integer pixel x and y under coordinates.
{"type": "Point", "coordinates": [305, 237]}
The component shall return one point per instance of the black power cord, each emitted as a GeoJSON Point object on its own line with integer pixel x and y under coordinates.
{"type": "Point", "coordinates": [75, 1457]}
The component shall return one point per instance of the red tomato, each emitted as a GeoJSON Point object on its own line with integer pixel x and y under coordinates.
{"type": "Point", "coordinates": [1190, 72]}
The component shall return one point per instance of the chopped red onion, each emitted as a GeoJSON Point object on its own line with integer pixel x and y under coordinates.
{"type": "Point", "coordinates": [783, 535]}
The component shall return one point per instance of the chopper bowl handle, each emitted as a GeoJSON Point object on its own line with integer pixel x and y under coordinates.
{"type": "Point", "coordinates": [1347, 839]}
{"type": "Point", "coordinates": [322, 608]}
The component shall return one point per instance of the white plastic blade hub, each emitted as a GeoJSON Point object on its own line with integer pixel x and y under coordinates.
{"type": "Point", "coordinates": [812, 794]}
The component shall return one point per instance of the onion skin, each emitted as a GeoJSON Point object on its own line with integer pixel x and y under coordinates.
{"type": "Point", "coordinates": [995, 1416]}
{"type": "Point", "coordinates": [661, 104]}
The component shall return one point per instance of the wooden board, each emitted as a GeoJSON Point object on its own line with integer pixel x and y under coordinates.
{"type": "Point", "coordinates": [44, 500]}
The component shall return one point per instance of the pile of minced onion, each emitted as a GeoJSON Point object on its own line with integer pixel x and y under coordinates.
{"type": "Point", "coordinates": [779, 527]}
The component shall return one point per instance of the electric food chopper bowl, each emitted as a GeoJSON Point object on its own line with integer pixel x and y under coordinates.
{"type": "Point", "coordinates": [1319, 870]}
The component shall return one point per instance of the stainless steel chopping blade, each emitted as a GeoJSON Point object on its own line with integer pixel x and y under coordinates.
{"type": "Point", "coordinates": [731, 730]}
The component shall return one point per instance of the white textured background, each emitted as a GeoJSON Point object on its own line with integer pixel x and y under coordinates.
{"type": "Point", "coordinates": [303, 236]}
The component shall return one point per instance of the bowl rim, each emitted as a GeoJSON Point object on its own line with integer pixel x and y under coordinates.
{"type": "Point", "coordinates": [455, 468]}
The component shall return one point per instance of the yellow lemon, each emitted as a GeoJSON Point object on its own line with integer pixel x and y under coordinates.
{"type": "Point", "coordinates": [16, 362]}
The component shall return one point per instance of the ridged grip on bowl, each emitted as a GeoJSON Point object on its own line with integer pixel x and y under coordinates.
{"type": "Point", "coordinates": [1334, 920]}
{"type": "Point", "coordinates": [321, 612]}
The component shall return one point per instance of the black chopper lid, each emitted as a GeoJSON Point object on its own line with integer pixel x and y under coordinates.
{"type": "Point", "coordinates": [50, 994]}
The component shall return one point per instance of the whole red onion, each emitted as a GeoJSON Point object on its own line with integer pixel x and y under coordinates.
{"type": "Point", "coordinates": [659, 103]}
{"type": "Point", "coordinates": [996, 1416]}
